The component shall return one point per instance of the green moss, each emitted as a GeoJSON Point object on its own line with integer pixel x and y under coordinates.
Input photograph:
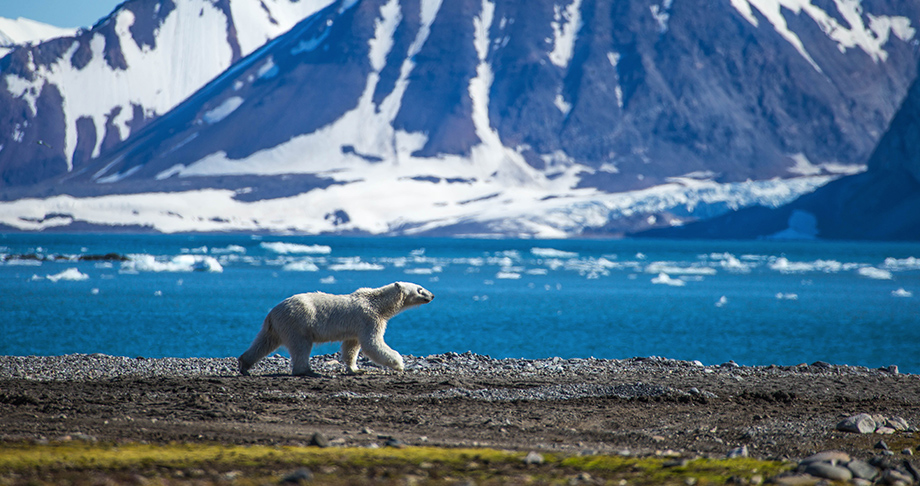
{"type": "Point", "coordinates": [211, 463]}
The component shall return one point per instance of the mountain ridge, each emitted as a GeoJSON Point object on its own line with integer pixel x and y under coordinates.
{"type": "Point", "coordinates": [577, 118]}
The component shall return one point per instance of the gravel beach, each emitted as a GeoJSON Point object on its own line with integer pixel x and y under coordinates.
{"type": "Point", "coordinates": [636, 406]}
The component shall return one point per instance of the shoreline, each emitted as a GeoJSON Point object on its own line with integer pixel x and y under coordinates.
{"type": "Point", "coordinates": [81, 366]}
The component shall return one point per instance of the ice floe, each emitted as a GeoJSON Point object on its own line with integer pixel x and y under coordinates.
{"type": "Point", "coordinates": [181, 263]}
{"type": "Point", "coordinates": [665, 279]}
{"type": "Point", "coordinates": [71, 274]}
{"type": "Point", "coordinates": [876, 273]}
{"type": "Point", "coordinates": [901, 293]}
{"type": "Point", "coordinates": [288, 248]}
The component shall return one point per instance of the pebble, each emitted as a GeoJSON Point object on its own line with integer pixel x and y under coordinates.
{"type": "Point", "coordinates": [739, 452]}
{"type": "Point", "coordinates": [300, 476]}
{"type": "Point", "coordinates": [862, 470]}
{"type": "Point", "coordinates": [533, 457]}
{"type": "Point", "coordinates": [839, 466]}
{"type": "Point", "coordinates": [864, 423]}
{"type": "Point", "coordinates": [318, 439]}
{"type": "Point", "coordinates": [861, 424]}
{"type": "Point", "coordinates": [829, 471]}
{"type": "Point", "coordinates": [832, 457]}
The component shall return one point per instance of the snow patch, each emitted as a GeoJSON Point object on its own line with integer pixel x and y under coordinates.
{"type": "Point", "coordinates": [22, 31]}
{"type": "Point", "coordinates": [661, 14]}
{"type": "Point", "coordinates": [871, 39]}
{"type": "Point", "coordinates": [566, 24]}
{"type": "Point", "coordinates": [564, 106]}
{"type": "Point", "coordinates": [267, 70]}
{"type": "Point", "coordinates": [220, 112]}
{"type": "Point", "coordinates": [385, 27]}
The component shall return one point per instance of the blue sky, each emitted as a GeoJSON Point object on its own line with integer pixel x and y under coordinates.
{"type": "Point", "coordinates": [61, 13]}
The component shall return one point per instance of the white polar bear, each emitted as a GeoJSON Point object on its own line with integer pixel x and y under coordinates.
{"type": "Point", "coordinates": [358, 320]}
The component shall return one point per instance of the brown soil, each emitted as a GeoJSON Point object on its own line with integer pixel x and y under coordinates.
{"type": "Point", "coordinates": [776, 412]}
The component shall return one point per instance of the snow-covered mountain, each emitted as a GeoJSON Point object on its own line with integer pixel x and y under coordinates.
{"type": "Point", "coordinates": [538, 118]}
{"type": "Point", "coordinates": [20, 31]}
{"type": "Point", "coordinates": [67, 100]}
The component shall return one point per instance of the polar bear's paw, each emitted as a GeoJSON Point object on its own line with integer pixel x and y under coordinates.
{"type": "Point", "coordinates": [244, 368]}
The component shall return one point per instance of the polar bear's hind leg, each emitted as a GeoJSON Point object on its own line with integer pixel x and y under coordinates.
{"type": "Point", "coordinates": [265, 342]}
{"type": "Point", "coordinates": [350, 350]}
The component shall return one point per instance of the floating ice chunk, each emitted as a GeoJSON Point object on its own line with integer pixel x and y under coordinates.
{"type": "Point", "coordinates": [723, 301]}
{"type": "Point", "coordinates": [666, 279]}
{"type": "Point", "coordinates": [327, 280]}
{"type": "Point", "coordinates": [23, 262]}
{"type": "Point", "coordinates": [901, 293]}
{"type": "Point", "coordinates": [422, 271]}
{"type": "Point", "coordinates": [229, 249]}
{"type": "Point", "coordinates": [181, 263]}
{"type": "Point", "coordinates": [300, 266]}
{"type": "Point", "coordinates": [671, 269]}
{"type": "Point", "coordinates": [537, 271]}
{"type": "Point", "coordinates": [782, 264]}
{"type": "Point", "coordinates": [354, 264]}
{"type": "Point", "coordinates": [730, 262]}
{"type": "Point", "coordinates": [786, 296]}
{"type": "Point", "coordinates": [287, 248]}
{"type": "Point", "coordinates": [552, 253]}
{"type": "Point", "coordinates": [71, 274]}
{"type": "Point", "coordinates": [909, 263]}
{"type": "Point", "coordinates": [876, 273]}
{"type": "Point", "coordinates": [508, 275]}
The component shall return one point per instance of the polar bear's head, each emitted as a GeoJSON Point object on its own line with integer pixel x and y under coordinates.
{"type": "Point", "coordinates": [414, 294]}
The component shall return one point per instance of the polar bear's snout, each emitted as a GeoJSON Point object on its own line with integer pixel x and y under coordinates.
{"type": "Point", "coordinates": [425, 294]}
{"type": "Point", "coordinates": [420, 296]}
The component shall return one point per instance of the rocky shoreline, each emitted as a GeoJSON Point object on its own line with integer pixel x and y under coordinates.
{"type": "Point", "coordinates": [96, 366]}
{"type": "Point", "coordinates": [637, 407]}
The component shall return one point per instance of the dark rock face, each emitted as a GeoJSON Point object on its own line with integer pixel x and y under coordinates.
{"type": "Point", "coordinates": [880, 204]}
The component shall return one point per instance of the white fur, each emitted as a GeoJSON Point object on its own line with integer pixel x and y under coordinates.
{"type": "Point", "coordinates": [358, 320]}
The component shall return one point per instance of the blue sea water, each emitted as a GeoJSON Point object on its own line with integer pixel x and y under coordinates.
{"type": "Point", "coordinates": [757, 303]}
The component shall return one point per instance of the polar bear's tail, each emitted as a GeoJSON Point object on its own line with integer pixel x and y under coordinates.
{"type": "Point", "coordinates": [265, 342]}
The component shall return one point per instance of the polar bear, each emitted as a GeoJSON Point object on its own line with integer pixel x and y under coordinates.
{"type": "Point", "coordinates": [358, 320]}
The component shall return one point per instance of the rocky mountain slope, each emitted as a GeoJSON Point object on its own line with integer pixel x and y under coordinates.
{"type": "Point", "coordinates": [470, 117]}
{"type": "Point", "coordinates": [882, 203]}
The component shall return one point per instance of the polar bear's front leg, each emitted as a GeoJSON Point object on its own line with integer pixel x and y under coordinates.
{"type": "Point", "coordinates": [350, 350]}
{"type": "Point", "coordinates": [374, 348]}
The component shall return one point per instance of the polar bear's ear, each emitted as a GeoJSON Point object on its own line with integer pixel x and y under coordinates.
{"type": "Point", "coordinates": [399, 287]}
